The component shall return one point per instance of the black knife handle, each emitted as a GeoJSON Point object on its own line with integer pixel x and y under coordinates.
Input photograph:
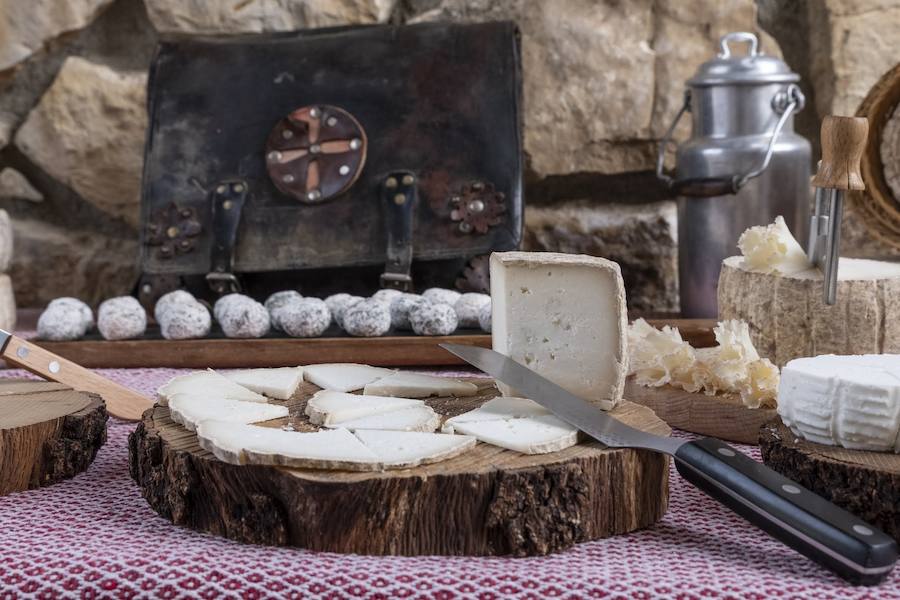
{"type": "Point", "coordinates": [806, 522]}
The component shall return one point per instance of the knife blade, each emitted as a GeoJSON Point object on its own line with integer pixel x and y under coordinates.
{"type": "Point", "coordinates": [120, 401]}
{"type": "Point", "coordinates": [834, 538]}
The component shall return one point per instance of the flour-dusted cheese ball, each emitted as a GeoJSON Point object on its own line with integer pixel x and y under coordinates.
{"type": "Point", "coordinates": [121, 318]}
{"type": "Point", "coordinates": [441, 296]}
{"type": "Point", "coordinates": [400, 308]}
{"type": "Point", "coordinates": [306, 317]}
{"type": "Point", "coordinates": [336, 301]}
{"type": "Point", "coordinates": [62, 321]}
{"type": "Point", "coordinates": [87, 315]}
{"type": "Point", "coordinates": [367, 318]}
{"type": "Point", "coordinates": [430, 318]}
{"type": "Point", "coordinates": [276, 301]}
{"type": "Point", "coordinates": [337, 313]}
{"type": "Point", "coordinates": [241, 317]}
{"type": "Point", "coordinates": [387, 295]}
{"type": "Point", "coordinates": [185, 320]}
{"type": "Point", "coordinates": [468, 306]}
{"type": "Point", "coordinates": [484, 317]}
{"type": "Point", "coordinates": [166, 301]}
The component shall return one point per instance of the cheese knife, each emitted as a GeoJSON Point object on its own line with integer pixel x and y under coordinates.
{"type": "Point", "coordinates": [804, 521]}
{"type": "Point", "coordinates": [120, 401]}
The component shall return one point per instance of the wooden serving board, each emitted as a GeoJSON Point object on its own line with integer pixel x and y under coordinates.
{"type": "Point", "coordinates": [218, 352]}
{"type": "Point", "coordinates": [48, 432]}
{"type": "Point", "coordinates": [866, 484]}
{"type": "Point", "coordinates": [722, 416]}
{"type": "Point", "coordinates": [488, 501]}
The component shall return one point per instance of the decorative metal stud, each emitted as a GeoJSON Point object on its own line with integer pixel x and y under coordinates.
{"type": "Point", "coordinates": [344, 170]}
{"type": "Point", "coordinates": [238, 188]}
{"type": "Point", "coordinates": [227, 204]}
{"type": "Point", "coordinates": [314, 113]}
{"type": "Point", "coordinates": [172, 232]}
{"type": "Point", "coordinates": [287, 134]}
{"type": "Point", "coordinates": [315, 149]}
{"type": "Point", "coordinates": [313, 195]}
{"type": "Point", "coordinates": [275, 155]}
{"type": "Point", "coordinates": [355, 144]}
{"type": "Point", "coordinates": [331, 122]}
{"type": "Point", "coordinates": [408, 180]}
{"type": "Point", "coordinates": [465, 227]}
{"type": "Point", "coordinates": [221, 189]}
{"type": "Point", "coordinates": [478, 206]}
{"type": "Point", "coordinates": [288, 178]}
{"type": "Point", "coordinates": [399, 199]}
{"type": "Point", "coordinates": [390, 183]}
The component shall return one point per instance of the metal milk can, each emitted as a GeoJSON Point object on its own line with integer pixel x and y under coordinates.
{"type": "Point", "coordinates": [743, 164]}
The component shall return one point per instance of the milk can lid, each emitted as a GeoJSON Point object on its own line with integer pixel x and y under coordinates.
{"type": "Point", "coordinates": [754, 67]}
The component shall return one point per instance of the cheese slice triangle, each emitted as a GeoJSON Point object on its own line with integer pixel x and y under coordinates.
{"type": "Point", "coordinates": [190, 410]}
{"type": "Point", "coordinates": [500, 409]}
{"type": "Point", "coordinates": [332, 408]}
{"type": "Point", "coordinates": [404, 449]}
{"type": "Point", "coordinates": [417, 385]}
{"type": "Point", "coordinates": [530, 435]}
{"type": "Point", "coordinates": [414, 418]}
{"type": "Point", "coordinates": [208, 383]}
{"type": "Point", "coordinates": [343, 377]}
{"type": "Point", "coordinates": [279, 382]}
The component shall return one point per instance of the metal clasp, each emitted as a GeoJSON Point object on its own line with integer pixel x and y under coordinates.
{"type": "Point", "coordinates": [399, 198]}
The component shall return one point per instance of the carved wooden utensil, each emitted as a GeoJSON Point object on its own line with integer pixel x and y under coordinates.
{"type": "Point", "coordinates": [120, 401]}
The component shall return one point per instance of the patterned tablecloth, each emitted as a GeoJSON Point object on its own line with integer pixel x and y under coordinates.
{"type": "Point", "coordinates": [94, 536]}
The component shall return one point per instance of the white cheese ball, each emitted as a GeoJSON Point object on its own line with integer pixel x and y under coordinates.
{"type": "Point", "coordinates": [335, 301]}
{"type": "Point", "coordinates": [468, 306]}
{"type": "Point", "coordinates": [242, 317]}
{"type": "Point", "coordinates": [367, 318]}
{"type": "Point", "coordinates": [303, 318]}
{"type": "Point", "coordinates": [430, 318]}
{"type": "Point", "coordinates": [441, 296]}
{"type": "Point", "coordinates": [387, 295]}
{"type": "Point", "coordinates": [338, 312]}
{"type": "Point", "coordinates": [400, 308]}
{"type": "Point", "coordinates": [184, 321]}
{"type": "Point", "coordinates": [484, 317]}
{"type": "Point", "coordinates": [166, 301]}
{"type": "Point", "coordinates": [121, 318]}
{"type": "Point", "coordinates": [60, 322]}
{"type": "Point", "coordinates": [87, 315]}
{"type": "Point", "coordinates": [276, 301]}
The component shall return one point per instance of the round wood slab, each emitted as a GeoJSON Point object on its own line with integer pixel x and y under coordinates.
{"type": "Point", "coordinates": [48, 432]}
{"type": "Point", "coordinates": [722, 416]}
{"type": "Point", "coordinates": [488, 501]}
{"type": "Point", "coordinates": [865, 483]}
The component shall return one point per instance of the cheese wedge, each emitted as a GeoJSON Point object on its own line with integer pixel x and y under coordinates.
{"type": "Point", "coordinates": [343, 377]}
{"type": "Point", "coordinates": [531, 435]}
{"type": "Point", "coordinates": [191, 409]}
{"type": "Point", "coordinates": [278, 383]}
{"type": "Point", "coordinates": [849, 401]}
{"type": "Point", "coordinates": [414, 418]}
{"type": "Point", "coordinates": [208, 383]}
{"type": "Point", "coordinates": [501, 408]}
{"type": "Point", "coordinates": [409, 449]}
{"type": "Point", "coordinates": [331, 408]}
{"type": "Point", "coordinates": [416, 385]}
{"type": "Point", "coordinates": [563, 316]}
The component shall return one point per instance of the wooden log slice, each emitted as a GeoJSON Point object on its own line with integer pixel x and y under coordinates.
{"type": "Point", "coordinates": [866, 484]}
{"type": "Point", "coordinates": [788, 318]}
{"type": "Point", "coordinates": [488, 501]}
{"type": "Point", "coordinates": [48, 432]}
{"type": "Point", "coordinates": [722, 416]}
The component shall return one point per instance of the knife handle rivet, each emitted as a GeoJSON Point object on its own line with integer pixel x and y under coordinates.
{"type": "Point", "coordinates": [53, 366]}
{"type": "Point", "coordinates": [791, 489]}
{"type": "Point", "coordinates": [725, 451]}
{"type": "Point", "coordinates": [862, 530]}
{"type": "Point", "coordinates": [21, 351]}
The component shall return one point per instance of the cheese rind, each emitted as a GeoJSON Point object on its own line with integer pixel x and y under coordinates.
{"type": "Point", "coordinates": [416, 385]}
{"type": "Point", "coordinates": [332, 408]}
{"type": "Point", "coordinates": [563, 316]}
{"type": "Point", "coordinates": [190, 410]}
{"type": "Point", "coordinates": [208, 383]}
{"type": "Point", "coordinates": [343, 377]}
{"type": "Point", "coordinates": [279, 382]}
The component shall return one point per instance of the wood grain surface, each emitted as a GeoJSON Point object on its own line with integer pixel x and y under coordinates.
{"type": "Point", "coordinates": [48, 432]}
{"type": "Point", "coordinates": [488, 501]}
{"type": "Point", "coordinates": [722, 416]}
{"type": "Point", "coordinates": [866, 484]}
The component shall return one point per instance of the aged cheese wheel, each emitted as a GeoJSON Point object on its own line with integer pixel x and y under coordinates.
{"type": "Point", "coordinates": [788, 318]}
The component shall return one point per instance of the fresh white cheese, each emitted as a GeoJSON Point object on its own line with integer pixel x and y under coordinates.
{"type": "Point", "coordinates": [279, 383]}
{"type": "Point", "coordinates": [416, 385]}
{"type": "Point", "coordinates": [563, 316]}
{"type": "Point", "coordinates": [773, 249]}
{"type": "Point", "coordinates": [208, 383]}
{"type": "Point", "coordinates": [414, 418]}
{"type": "Point", "coordinates": [343, 377]}
{"type": "Point", "coordinates": [530, 435]}
{"type": "Point", "coordinates": [191, 409]}
{"type": "Point", "coordinates": [500, 408]}
{"type": "Point", "coordinates": [849, 401]}
{"type": "Point", "coordinates": [332, 408]}
{"type": "Point", "coordinates": [399, 449]}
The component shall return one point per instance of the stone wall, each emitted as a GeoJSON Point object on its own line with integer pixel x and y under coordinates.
{"type": "Point", "coordinates": [603, 79]}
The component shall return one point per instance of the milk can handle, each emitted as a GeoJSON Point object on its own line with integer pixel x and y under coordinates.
{"type": "Point", "coordinates": [738, 36]}
{"type": "Point", "coordinates": [667, 138]}
{"type": "Point", "coordinates": [788, 102]}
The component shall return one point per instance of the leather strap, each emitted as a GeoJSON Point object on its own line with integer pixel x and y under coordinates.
{"type": "Point", "coordinates": [399, 198]}
{"type": "Point", "coordinates": [228, 198]}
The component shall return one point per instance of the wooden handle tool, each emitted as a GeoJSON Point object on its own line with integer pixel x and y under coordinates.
{"type": "Point", "coordinates": [120, 401]}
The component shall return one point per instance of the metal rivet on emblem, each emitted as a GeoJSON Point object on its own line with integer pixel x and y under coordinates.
{"type": "Point", "coordinates": [275, 155]}
{"type": "Point", "coordinates": [147, 288]}
{"type": "Point", "coordinates": [221, 189]}
{"type": "Point", "coordinates": [331, 122]}
{"type": "Point", "coordinates": [53, 366]}
{"type": "Point", "coordinates": [355, 143]}
{"type": "Point", "coordinates": [238, 187]}
{"type": "Point", "coordinates": [390, 183]}
{"type": "Point", "coordinates": [476, 206]}
{"type": "Point", "coordinates": [315, 149]}
{"type": "Point", "coordinates": [399, 199]}
{"type": "Point", "coordinates": [408, 179]}
{"type": "Point", "coordinates": [465, 227]}
{"type": "Point", "coordinates": [314, 194]}
{"type": "Point", "coordinates": [287, 134]}
{"type": "Point", "coordinates": [288, 178]}
{"type": "Point", "coordinates": [172, 231]}
{"type": "Point", "coordinates": [314, 113]}
{"type": "Point", "coordinates": [227, 204]}
{"type": "Point", "coordinates": [344, 170]}
{"type": "Point", "coordinates": [21, 351]}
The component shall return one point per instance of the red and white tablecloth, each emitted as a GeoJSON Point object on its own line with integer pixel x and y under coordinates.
{"type": "Point", "coordinates": [94, 537]}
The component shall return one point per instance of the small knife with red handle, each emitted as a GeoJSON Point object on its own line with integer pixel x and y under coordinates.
{"type": "Point", "coordinates": [120, 401]}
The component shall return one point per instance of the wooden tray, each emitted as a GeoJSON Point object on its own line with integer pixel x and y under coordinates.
{"type": "Point", "coordinates": [488, 501]}
{"type": "Point", "coordinates": [220, 352]}
{"type": "Point", "coordinates": [48, 433]}
{"type": "Point", "coordinates": [866, 484]}
{"type": "Point", "coordinates": [723, 416]}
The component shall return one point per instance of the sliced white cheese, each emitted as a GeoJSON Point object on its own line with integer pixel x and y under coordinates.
{"type": "Point", "coordinates": [498, 409]}
{"type": "Point", "coordinates": [191, 409]}
{"type": "Point", "coordinates": [208, 383]}
{"type": "Point", "coordinates": [401, 449]}
{"type": "Point", "coordinates": [414, 418]}
{"type": "Point", "coordinates": [531, 435]}
{"type": "Point", "coordinates": [563, 316]}
{"type": "Point", "coordinates": [240, 444]}
{"type": "Point", "coordinates": [849, 401]}
{"type": "Point", "coordinates": [331, 408]}
{"type": "Point", "coordinates": [280, 382]}
{"type": "Point", "coordinates": [772, 249]}
{"type": "Point", "coordinates": [343, 377]}
{"type": "Point", "coordinates": [416, 385]}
